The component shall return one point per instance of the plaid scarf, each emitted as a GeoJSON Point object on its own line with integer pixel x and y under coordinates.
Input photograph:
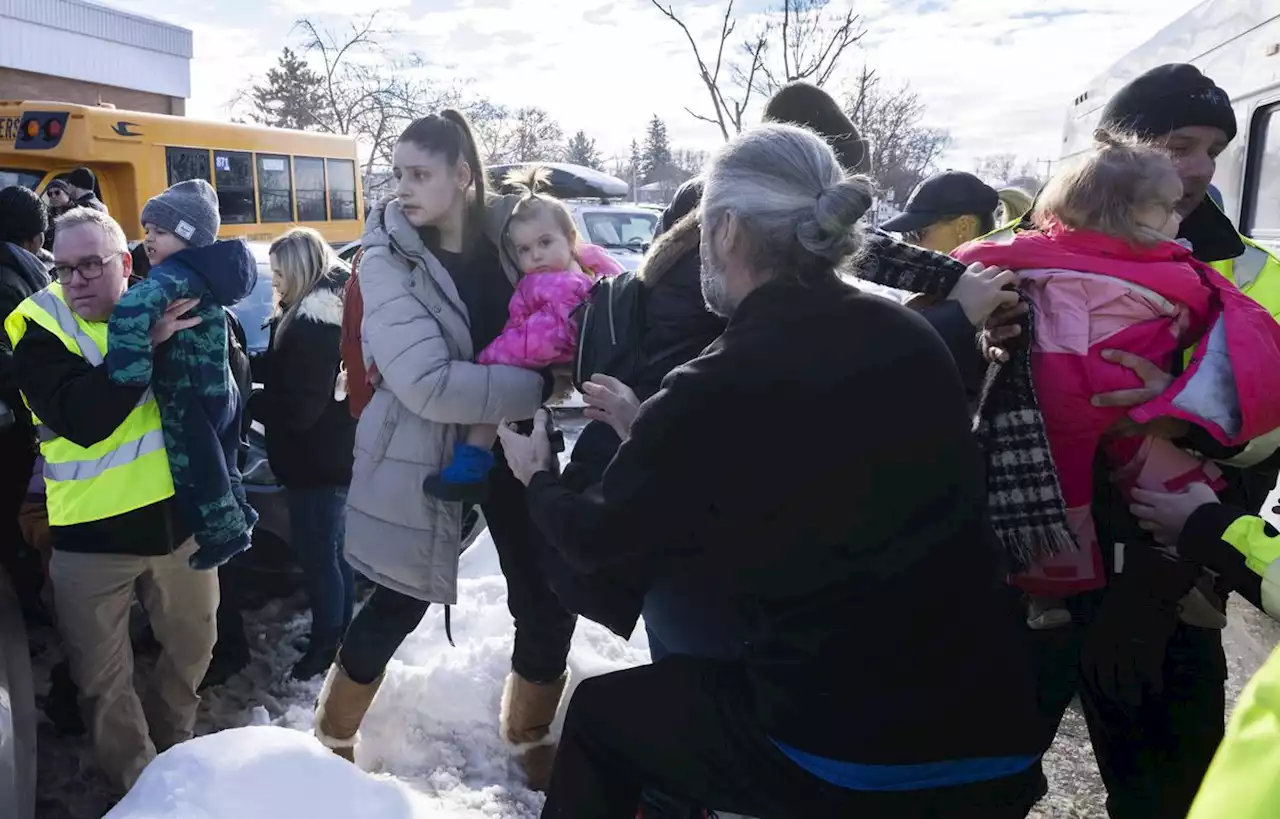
{"type": "Point", "coordinates": [1024, 497]}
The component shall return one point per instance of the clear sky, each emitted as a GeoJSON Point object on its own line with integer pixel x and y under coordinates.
{"type": "Point", "coordinates": [995, 74]}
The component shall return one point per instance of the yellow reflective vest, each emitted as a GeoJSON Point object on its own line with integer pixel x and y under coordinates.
{"type": "Point", "coordinates": [126, 471]}
{"type": "Point", "coordinates": [1244, 780]}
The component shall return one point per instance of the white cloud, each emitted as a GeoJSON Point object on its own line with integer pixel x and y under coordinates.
{"type": "Point", "coordinates": [998, 79]}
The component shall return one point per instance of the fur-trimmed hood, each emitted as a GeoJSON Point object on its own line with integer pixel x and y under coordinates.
{"type": "Point", "coordinates": [673, 245]}
{"type": "Point", "coordinates": [324, 303]}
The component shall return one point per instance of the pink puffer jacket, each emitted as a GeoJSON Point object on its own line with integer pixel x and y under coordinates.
{"type": "Point", "coordinates": [541, 330]}
{"type": "Point", "coordinates": [1092, 293]}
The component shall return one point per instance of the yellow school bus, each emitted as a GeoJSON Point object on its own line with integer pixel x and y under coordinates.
{"type": "Point", "coordinates": [267, 179]}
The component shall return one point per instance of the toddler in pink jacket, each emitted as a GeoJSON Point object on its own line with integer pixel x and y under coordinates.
{"type": "Point", "coordinates": [1104, 272]}
{"type": "Point", "coordinates": [558, 270]}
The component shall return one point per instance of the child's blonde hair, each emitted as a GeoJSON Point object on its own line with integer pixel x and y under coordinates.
{"type": "Point", "coordinates": [531, 181]}
{"type": "Point", "coordinates": [1108, 187]}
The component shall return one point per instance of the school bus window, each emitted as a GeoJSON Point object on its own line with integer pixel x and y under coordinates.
{"type": "Point", "coordinates": [342, 189]}
{"type": "Point", "coordinates": [1263, 206]}
{"type": "Point", "coordinates": [313, 202]}
{"type": "Point", "coordinates": [275, 188]}
{"type": "Point", "coordinates": [19, 176]}
{"type": "Point", "coordinates": [186, 163]}
{"type": "Point", "coordinates": [233, 177]}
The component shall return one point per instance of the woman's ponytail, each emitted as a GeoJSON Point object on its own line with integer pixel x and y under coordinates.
{"type": "Point", "coordinates": [476, 209]}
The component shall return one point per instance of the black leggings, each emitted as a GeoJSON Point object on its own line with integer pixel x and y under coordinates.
{"type": "Point", "coordinates": [544, 627]}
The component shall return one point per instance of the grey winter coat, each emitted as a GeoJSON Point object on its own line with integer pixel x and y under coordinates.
{"type": "Point", "coordinates": [416, 330]}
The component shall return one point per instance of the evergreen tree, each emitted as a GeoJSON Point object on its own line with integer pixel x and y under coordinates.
{"type": "Point", "coordinates": [291, 96]}
{"type": "Point", "coordinates": [657, 149]}
{"type": "Point", "coordinates": [582, 151]}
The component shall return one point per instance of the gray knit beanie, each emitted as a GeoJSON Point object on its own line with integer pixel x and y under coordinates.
{"type": "Point", "coordinates": [188, 210]}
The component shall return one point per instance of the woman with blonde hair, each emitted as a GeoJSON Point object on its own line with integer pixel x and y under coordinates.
{"type": "Point", "coordinates": [310, 434]}
{"type": "Point", "coordinates": [1014, 204]}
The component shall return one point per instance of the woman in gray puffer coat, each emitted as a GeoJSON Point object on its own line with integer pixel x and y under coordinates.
{"type": "Point", "coordinates": [436, 279]}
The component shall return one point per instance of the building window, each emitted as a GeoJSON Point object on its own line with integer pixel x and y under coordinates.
{"type": "Point", "coordinates": [342, 188]}
{"type": "Point", "coordinates": [233, 177]}
{"type": "Point", "coordinates": [275, 188]}
{"type": "Point", "coordinates": [313, 202]}
{"type": "Point", "coordinates": [1262, 202]}
{"type": "Point", "coordinates": [184, 164]}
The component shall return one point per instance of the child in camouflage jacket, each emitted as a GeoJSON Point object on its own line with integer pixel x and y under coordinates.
{"type": "Point", "coordinates": [190, 374]}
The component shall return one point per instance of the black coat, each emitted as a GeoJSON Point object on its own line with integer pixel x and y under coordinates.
{"type": "Point", "coordinates": [21, 275]}
{"type": "Point", "coordinates": [310, 434]}
{"type": "Point", "coordinates": [817, 463]}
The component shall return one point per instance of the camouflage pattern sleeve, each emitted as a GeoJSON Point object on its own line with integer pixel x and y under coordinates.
{"type": "Point", "coordinates": [129, 350]}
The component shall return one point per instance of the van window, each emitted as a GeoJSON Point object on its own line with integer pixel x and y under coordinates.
{"type": "Point", "coordinates": [275, 188]}
{"type": "Point", "coordinates": [233, 177]}
{"type": "Point", "coordinates": [184, 164]}
{"type": "Point", "coordinates": [313, 201]}
{"type": "Point", "coordinates": [1262, 205]}
{"type": "Point", "coordinates": [342, 188]}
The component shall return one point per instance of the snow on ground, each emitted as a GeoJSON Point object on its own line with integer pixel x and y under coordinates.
{"type": "Point", "coordinates": [433, 727]}
{"type": "Point", "coordinates": [431, 740]}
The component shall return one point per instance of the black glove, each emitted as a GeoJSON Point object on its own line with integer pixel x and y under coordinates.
{"type": "Point", "coordinates": [1124, 651]}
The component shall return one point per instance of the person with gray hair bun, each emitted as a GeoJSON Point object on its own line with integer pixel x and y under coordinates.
{"type": "Point", "coordinates": [835, 706]}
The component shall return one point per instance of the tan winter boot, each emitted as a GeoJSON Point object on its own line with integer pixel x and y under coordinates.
{"type": "Point", "coordinates": [528, 709]}
{"type": "Point", "coordinates": [340, 710]}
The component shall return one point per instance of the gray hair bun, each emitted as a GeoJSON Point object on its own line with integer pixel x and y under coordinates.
{"type": "Point", "coordinates": [828, 232]}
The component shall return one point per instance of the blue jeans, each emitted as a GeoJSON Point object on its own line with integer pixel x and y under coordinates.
{"type": "Point", "coordinates": [317, 519]}
{"type": "Point", "coordinates": [683, 614]}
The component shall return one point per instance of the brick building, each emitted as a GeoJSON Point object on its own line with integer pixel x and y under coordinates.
{"type": "Point", "coordinates": [81, 52]}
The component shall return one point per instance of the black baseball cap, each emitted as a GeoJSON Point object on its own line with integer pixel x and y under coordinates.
{"type": "Point", "coordinates": [941, 197]}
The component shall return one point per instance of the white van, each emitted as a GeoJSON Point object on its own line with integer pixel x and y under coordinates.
{"type": "Point", "coordinates": [1236, 43]}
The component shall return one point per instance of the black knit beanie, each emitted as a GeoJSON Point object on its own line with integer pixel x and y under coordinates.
{"type": "Point", "coordinates": [82, 178]}
{"type": "Point", "coordinates": [1168, 98]}
{"type": "Point", "coordinates": [800, 103]}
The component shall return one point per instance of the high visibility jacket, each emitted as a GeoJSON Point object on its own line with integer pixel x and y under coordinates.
{"type": "Point", "coordinates": [1244, 780]}
{"type": "Point", "coordinates": [127, 470]}
{"type": "Point", "coordinates": [1257, 273]}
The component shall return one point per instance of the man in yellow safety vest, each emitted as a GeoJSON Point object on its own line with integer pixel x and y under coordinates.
{"type": "Point", "coordinates": [112, 515]}
{"type": "Point", "coordinates": [1244, 780]}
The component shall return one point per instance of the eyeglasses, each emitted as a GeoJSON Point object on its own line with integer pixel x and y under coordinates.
{"type": "Point", "coordinates": [89, 269]}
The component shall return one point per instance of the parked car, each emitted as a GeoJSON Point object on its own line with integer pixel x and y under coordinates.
{"type": "Point", "coordinates": [17, 710]}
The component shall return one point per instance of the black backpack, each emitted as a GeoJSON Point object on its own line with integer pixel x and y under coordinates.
{"type": "Point", "coordinates": [610, 329]}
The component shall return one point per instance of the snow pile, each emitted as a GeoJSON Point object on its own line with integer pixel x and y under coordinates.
{"type": "Point", "coordinates": [431, 738]}
{"type": "Point", "coordinates": [264, 773]}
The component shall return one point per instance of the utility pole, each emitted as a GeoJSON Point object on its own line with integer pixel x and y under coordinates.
{"type": "Point", "coordinates": [1048, 169]}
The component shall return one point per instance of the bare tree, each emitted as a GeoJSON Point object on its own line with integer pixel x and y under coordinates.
{"type": "Point", "coordinates": [903, 150]}
{"type": "Point", "coordinates": [366, 90]}
{"type": "Point", "coordinates": [805, 40]}
{"type": "Point", "coordinates": [997, 169]}
{"type": "Point", "coordinates": [716, 76]}
{"type": "Point", "coordinates": [536, 137]}
{"type": "Point", "coordinates": [801, 40]}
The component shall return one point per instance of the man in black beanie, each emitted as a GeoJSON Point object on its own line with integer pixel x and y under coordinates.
{"type": "Point", "coordinates": [1180, 108]}
{"type": "Point", "coordinates": [1150, 678]}
{"type": "Point", "coordinates": [82, 183]}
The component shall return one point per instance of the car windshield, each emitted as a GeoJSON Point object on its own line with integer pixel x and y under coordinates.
{"type": "Point", "coordinates": [20, 176]}
{"type": "Point", "coordinates": [618, 229]}
{"type": "Point", "coordinates": [256, 309]}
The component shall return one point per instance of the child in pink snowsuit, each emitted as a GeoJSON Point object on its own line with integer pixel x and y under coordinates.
{"type": "Point", "coordinates": [558, 271]}
{"type": "Point", "coordinates": [1104, 273]}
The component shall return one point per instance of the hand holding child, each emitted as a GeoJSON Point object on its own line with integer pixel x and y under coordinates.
{"type": "Point", "coordinates": [982, 290]}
